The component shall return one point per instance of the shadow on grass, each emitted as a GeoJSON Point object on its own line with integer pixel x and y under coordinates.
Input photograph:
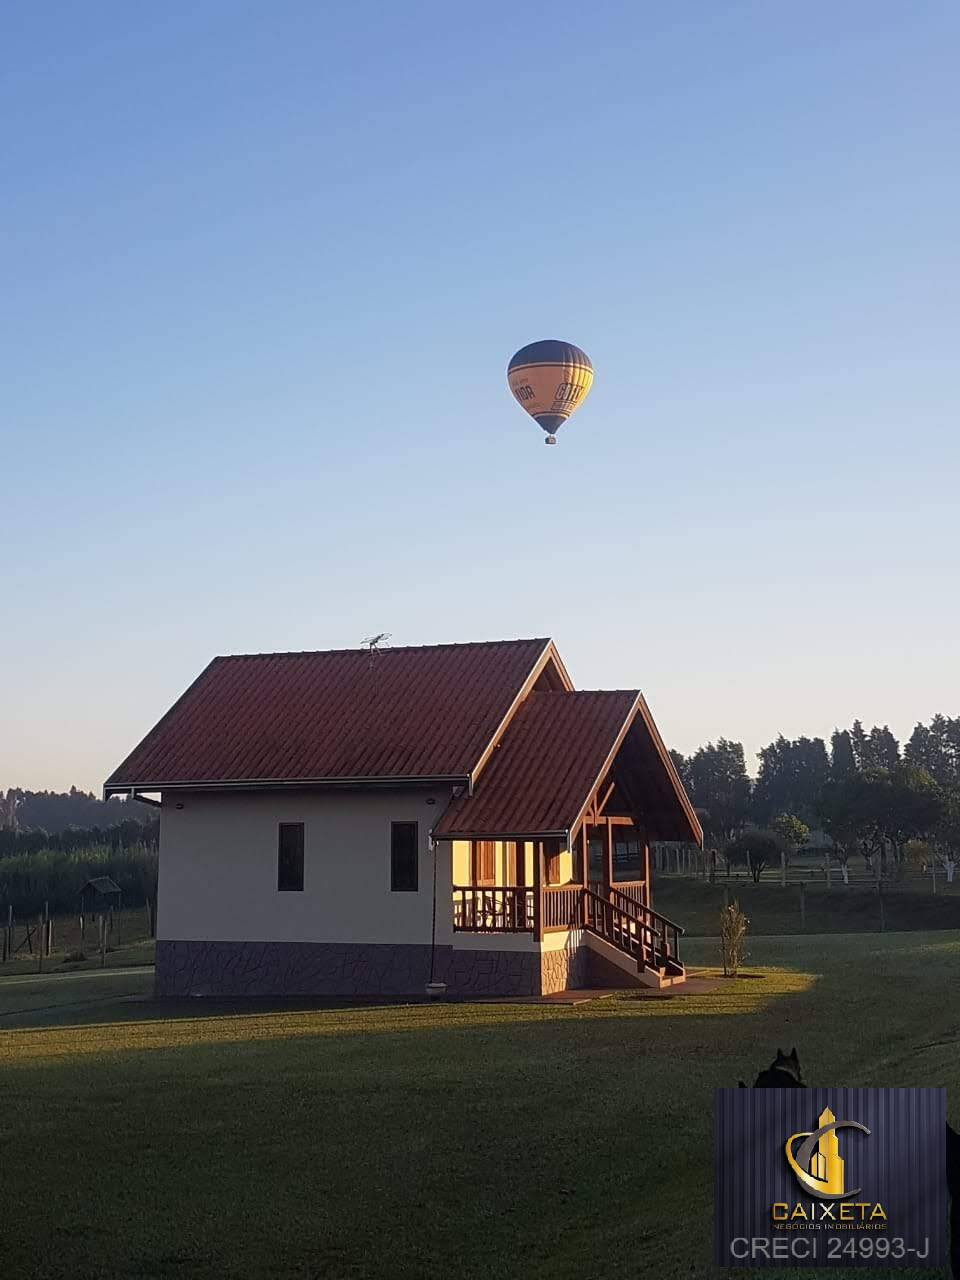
{"type": "Point", "coordinates": [471, 1140]}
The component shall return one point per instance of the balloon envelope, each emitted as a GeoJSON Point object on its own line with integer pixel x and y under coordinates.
{"type": "Point", "coordinates": [551, 380]}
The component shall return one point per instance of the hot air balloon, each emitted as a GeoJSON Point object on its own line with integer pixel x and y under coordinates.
{"type": "Point", "coordinates": [551, 380]}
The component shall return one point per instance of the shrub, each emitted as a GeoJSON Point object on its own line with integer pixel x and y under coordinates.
{"type": "Point", "coordinates": [733, 935]}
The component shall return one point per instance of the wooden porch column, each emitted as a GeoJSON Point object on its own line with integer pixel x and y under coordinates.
{"type": "Point", "coordinates": [582, 840]}
{"type": "Point", "coordinates": [647, 882]}
{"type": "Point", "coordinates": [609, 853]}
{"type": "Point", "coordinates": [538, 890]}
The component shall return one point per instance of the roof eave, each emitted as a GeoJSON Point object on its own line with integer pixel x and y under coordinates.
{"type": "Point", "coordinates": [500, 835]}
{"type": "Point", "coordinates": [693, 821]}
{"type": "Point", "coordinates": [270, 784]}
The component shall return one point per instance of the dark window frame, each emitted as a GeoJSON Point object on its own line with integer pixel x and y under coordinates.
{"type": "Point", "coordinates": [290, 876]}
{"type": "Point", "coordinates": [400, 882]}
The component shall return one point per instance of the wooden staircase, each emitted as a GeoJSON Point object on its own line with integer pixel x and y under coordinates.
{"type": "Point", "coordinates": [639, 941]}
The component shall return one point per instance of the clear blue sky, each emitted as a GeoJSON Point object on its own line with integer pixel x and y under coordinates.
{"type": "Point", "coordinates": [263, 266]}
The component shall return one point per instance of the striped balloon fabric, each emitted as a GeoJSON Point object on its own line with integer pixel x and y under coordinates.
{"type": "Point", "coordinates": [551, 380]}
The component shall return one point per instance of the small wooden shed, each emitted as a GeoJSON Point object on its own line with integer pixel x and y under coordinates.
{"type": "Point", "coordinates": [99, 895]}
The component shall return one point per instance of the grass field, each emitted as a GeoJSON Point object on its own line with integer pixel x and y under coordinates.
{"type": "Point", "coordinates": [774, 910]}
{"type": "Point", "coordinates": [423, 1141]}
{"type": "Point", "coordinates": [128, 944]}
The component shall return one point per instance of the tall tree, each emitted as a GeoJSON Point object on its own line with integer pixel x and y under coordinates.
{"type": "Point", "coordinates": [682, 765]}
{"type": "Point", "coordinates": [946, 835]}
{"type": "Point", "coordinates": [936, 748]}
{"type": "Point", "coordinates": [880, 810]}
{"type": "Point", "coordinates": [719, 788]}
{"type": "Point", "coordinates": [877, 749]}
{"type": "Point", "coordinates": [858, 745]}
{"type": "Point", "coordinates": [790, 779]}
{"type": "Point", "coordinates": [842, 760]}
{"type": "Point", "coordinates": [883, 749]}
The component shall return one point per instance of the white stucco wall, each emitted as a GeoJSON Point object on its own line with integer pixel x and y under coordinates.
{"type": "Point", "coordinates": [218, 868]}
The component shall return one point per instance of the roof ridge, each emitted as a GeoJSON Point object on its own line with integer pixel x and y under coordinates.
{"type": "Point", "coordinates": [570, 693]}
{"type": "Point", "coordinates": [393, 648]}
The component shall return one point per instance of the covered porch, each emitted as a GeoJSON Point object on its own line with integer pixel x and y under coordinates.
{"type": "Point", "coordinates": [555, 838]}
{"type": "Point", "coordinates": [539, 887]}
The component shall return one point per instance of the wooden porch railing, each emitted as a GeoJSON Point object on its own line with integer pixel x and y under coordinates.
{"type": "Point", "coordinates": [620, 918]}
{"type": "Point", "coordinates": [505, 909]}
{"type": "Point", "coordinates": [632, 927]}
{"type": "Point", "coordinates": [561, 906]}
{"type": "Point", "coordinates": [630, 893]}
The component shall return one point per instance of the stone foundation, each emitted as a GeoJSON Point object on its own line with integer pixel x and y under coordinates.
{"type": "Point", "coordinates": [343, 969]}
{"type": "Point", "coordinates": [563, 970]}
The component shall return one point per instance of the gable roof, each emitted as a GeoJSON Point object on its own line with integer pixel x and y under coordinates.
{"type": "Point", "coordinates": [545, 768]}
{"type": "Point", "coordinates": [429, 712]}
{"type": "Point", "coordinates": [555, 752]}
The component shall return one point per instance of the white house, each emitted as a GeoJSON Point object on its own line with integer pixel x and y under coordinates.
{"type": "Point", "coordinates": [361, 823]}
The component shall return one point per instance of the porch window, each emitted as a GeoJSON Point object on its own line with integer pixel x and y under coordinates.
{"type": "Point", "coordinates": [484, 864]}
{"type": "Point", "coordinates": [404, 857]}
{"type": "Point", "coordinates": [627, 854]}
{"type": "Point", "coordinates": [290, 858]}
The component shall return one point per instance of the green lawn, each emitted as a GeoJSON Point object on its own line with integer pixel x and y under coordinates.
{"type": "Point", "coordinates": [127, 944]}
{"type": "Point", "coordinates": [421, 1141]}
{"type": "Point", "coordinates": [774, 910]}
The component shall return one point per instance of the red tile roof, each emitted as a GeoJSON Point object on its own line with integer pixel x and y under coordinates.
{"type": "Point", "coordinates": [544, 770]}
{"type": "Point", "coordinates": [404, 713]}
{"type": "Point", "coordinates": [551, 758]}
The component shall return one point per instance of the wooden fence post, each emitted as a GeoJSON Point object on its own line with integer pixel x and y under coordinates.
{"type": "Point", "coordinates": [40, 932]}
{"type": "Point", "coordinates": [102, 935]}
{"type": "Point", "coordinates": [803, 906]}
{"type": "Point", "coordinates": [883, 914]}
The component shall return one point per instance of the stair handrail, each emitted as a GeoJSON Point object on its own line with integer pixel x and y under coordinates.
{"type": "Point", "coordinates": [642, 906]}
{"type": "Point", "coordinates": [648, 934]}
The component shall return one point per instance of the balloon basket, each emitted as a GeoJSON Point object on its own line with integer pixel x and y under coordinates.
{"type": "Point", "coordinates": [550, 440]}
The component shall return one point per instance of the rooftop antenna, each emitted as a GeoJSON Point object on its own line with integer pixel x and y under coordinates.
{"type": "Point", "coordinates": [374, 643]}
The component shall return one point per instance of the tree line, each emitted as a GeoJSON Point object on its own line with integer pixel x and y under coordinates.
{"type": "Point", "coordinates": [871, 797]}
{"type": "Point", "coordinates": [128, 834]}
{"type": "Point", "coordinates": [54, 811]}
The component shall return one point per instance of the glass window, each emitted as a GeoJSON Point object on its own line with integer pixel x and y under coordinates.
{"type": "Point", "coordinates": [404, 857]}
{"type": "Point", "coordinates": [290, 858]}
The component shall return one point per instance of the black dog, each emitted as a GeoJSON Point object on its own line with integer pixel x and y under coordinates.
{"type": "Point", "coordinates": [784, 1073]}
